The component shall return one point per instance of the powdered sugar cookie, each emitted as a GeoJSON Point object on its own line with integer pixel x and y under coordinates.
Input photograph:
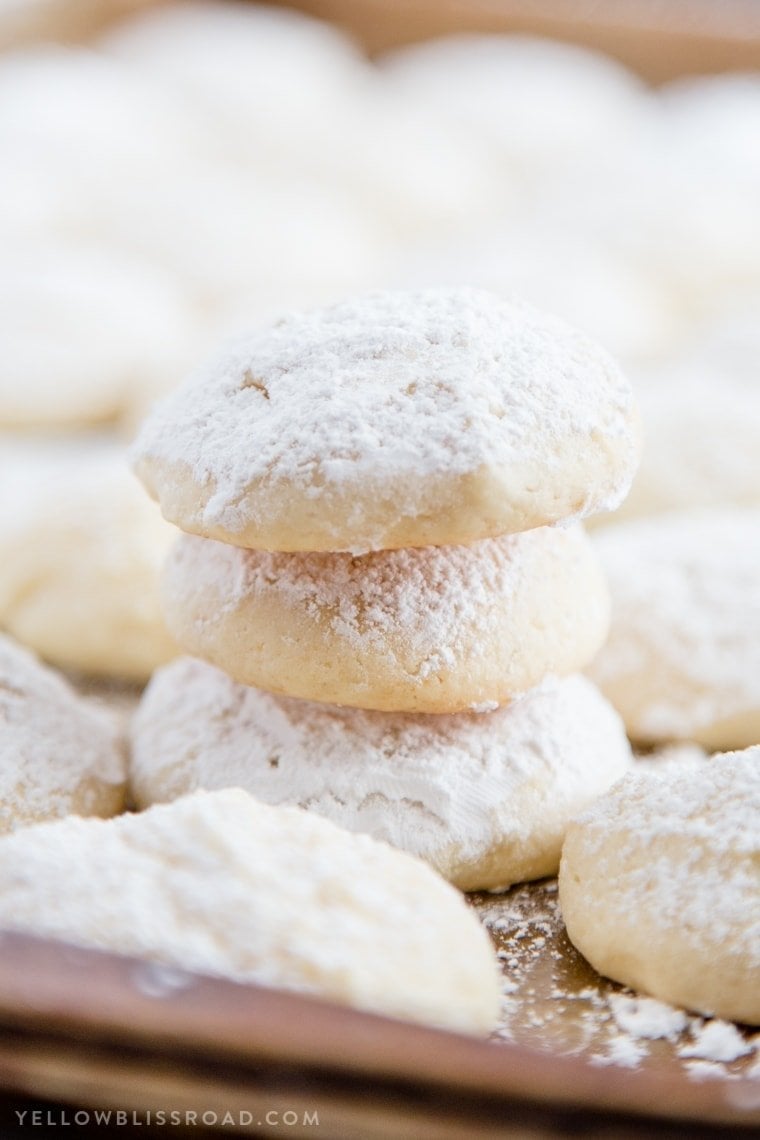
{"type": "Point", "coordinates": [483, 797]}
{"type": "Point", "coordinates": [293, 97]}
{"type": "Point", "coordinates": [80, 555]}
{"type": "Point", "coordinates": [259, 242]}
{"type": "Point", "coordinates": [274, 85]}
{"type": "Point", "coordinates": [537, 107]}
{"type": "Point", "coordinates": [398, 419]}
{"type": "Point", "coordinates": [713, 119]}
{"type": "Point", "coordinates": [90, 117]}
{"type": "Point", "coordinates": [682, 661]}
{"type": "Point", "coordinates": [221, 884]}
{"type": "Point", "coordinates": [660, 885]}
{"type": "Point", "coordinates": [110, 324]}
{"type": "Point", "coordinates": [437, 629]}
{"type": "Point", "coordinates": [581, 282]}
{"type": "Point", "coordinates": [680, 469]}
{"type": "Point", "coordinates": [729, 345]}
{"type": "Point", "coordinates": [59, 754]}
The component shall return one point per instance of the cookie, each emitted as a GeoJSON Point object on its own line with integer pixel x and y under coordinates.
{"type": "Point", "coordinates": [541, 263]}
{"type": "Point", "coordinates": [111, 325]}
{"type": "Point", "coordinates": [220, 884]}
{"type": "Point", "coordinates": [398, 419]}
{"type": "Point", "coordinates": [538, 108]}
{"type": "Point", "coordinates": [483, 797]}
{"type": "Point", "coordinates": [435, 630]}
{"type": "Point", "coordinates": [660, 885]}
{"type": "Point", "coordinates": [700, 446]}
{"type": "Point", "coordinates": [59, 754]}
{"type": "Point", "coordinates": [80, 555]}
{"type": "Point", "coordinates": [267, 82]}
{"type": "Point", "coordinates": [682, 661]}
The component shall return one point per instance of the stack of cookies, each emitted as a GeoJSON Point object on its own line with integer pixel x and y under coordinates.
{"type": "Point", "coordinates": [381, 502]}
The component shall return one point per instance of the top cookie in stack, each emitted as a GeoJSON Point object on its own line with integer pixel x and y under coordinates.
{"type": "Point", "coordinates": [379, 463]}
{"type": "Point", "coordinates": [395, 420]}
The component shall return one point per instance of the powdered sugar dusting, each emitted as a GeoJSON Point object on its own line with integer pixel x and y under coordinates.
{"type": "Point", "coordinates": [450, 789]}
{"type": "Point", "coordinates": [453, 587]}
{"type": "Point", "coordinates": [388, 391]}
{"type": "Point", "coordinates": [553, 1000]}
{"type": "Point", "coordinates": [220, 884]}
{"type": "Point", "coordinates": [717, 1041]}
{"type": "Point", "coordinates": [716, 804]}
{"type": "Point", "coordinates": [58, 752]}
{"type": "Point", "coordinates": [646, 1017]}
{"type": "Point", "coordinates": [686, 595]}
{"type": "Point", "coordinates": [671, 829]}
{"type": "Point", "coordinates": [439, 600]}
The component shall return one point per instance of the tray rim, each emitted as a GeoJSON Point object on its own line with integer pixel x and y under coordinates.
{"type": "Point", "coordinates": [53, 991]}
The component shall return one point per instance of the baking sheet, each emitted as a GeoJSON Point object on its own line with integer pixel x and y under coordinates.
{"type": "Point", "coordinates": [554, 1001]}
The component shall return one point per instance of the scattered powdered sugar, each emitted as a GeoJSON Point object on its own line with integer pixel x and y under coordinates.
{"type": "Point", "coordinates": [452, 789]}
{"type": "Point", "coordinates": [552, 999]}
{"type": "Point", "coordinates": [387, 391]}
{"type": "Point", "coordinates": [717, 1041]}
{"type": "Point", "coordinates": [625, 1051]}
{"type": "Point", "coordinates": [58, 752]}
{"type": "Point", "coordinates": [646, 1017]}
{"type": "Point", "coordinates": [686, 602]}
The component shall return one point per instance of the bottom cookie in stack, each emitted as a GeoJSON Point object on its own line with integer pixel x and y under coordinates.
{"type": "Point", "coordinates": [484, 797]}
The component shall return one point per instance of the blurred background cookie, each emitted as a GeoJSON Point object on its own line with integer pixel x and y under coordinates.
{"type": "Point", "coordinates": [682, 661]}
{"type": "Point", "coordinates": [85, 332]}
{"type": "Point", "coordinates": [81, 548]}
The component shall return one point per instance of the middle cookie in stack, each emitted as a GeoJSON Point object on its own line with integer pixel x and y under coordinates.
{"type": "Point", "coordinates": [375, 487]}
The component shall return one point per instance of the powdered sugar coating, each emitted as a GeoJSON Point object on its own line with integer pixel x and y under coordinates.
{"type": "Point", "coordinates": [59, 754]}
{"type": "Point", "coordinates": [483, 797]}
{"type": "Point", "coordinates": [660, 884]}
{"type": "Point", "coordinates": [81, 548]}
{"type": "Point", "coordinates": [221, 884]}
{"type": "Point", "coordinates": [434, 629]}
{"type": "Point", "coordinates": [680, 409]}
{"type": "Point", "coordinates": [113, 326]}
{"type": "Point", "coordinates": [683, 656]}
{"type": "Point", "coordinates": [434, 417]}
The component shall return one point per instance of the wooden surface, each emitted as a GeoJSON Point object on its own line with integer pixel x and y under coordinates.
{"type": "Point", "coordinates": [100, 1030]}
{"type": "Point", "coordinates": [658, 38]}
